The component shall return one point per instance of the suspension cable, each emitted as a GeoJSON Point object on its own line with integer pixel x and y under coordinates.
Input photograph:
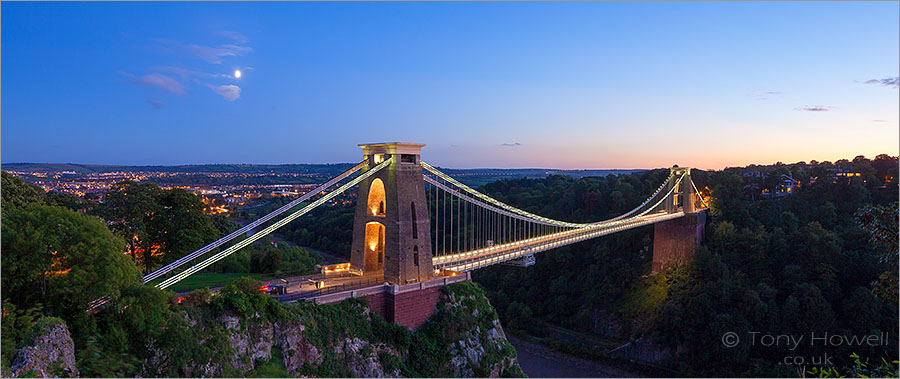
{"type": "Point", "coordinates": [203, 250]}
{"type": "Point", "coordinates": [527, 216]}
{"type": "Point", "coordinates": [215, 258]}
{"type": "Point", "coordinates": [698, 194]}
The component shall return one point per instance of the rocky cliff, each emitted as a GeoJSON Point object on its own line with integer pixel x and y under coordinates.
{"type": "Point", "coordinates": [48, 351]}
{"type": "Point", "coordinates": [243, 332]}
{"type": "Point", "coordinates": [463, 339]}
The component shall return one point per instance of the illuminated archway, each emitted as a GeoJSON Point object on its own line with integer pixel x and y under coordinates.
{"type": "Point", "coordinates": [376, 198]}
{"type": "Point", "coordinates": [374, 258]}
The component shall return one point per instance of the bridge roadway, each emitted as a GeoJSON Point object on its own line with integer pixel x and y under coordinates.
{"type": "Point", "coordinates": [307, 286]}
{"type": "Point", "coordinates": [304, 287]}
{"type": "Point", "coordinates": [475, 259]}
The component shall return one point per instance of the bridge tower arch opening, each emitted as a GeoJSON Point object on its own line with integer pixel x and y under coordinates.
{"type": "Point", "coordinates": [376, 198]}
{"type": "Point", "coordinates": [392, 211]}
{"type": "Point", "coordinates": [374, 249]}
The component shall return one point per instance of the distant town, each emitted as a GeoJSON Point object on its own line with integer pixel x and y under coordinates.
{"type": "Point", "coordinates": [224, 187]}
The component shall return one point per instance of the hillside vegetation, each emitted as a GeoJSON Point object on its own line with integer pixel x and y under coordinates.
{"type": "Point", "coordinates": [820, 260]}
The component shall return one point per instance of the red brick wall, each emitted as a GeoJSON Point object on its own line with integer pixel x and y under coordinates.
{"type": "Point", "coordinates": [410, 309]}
{"type": "Point", "coordinates": [675, 241]}
{"type": "Point", "coordinates": [378, 303]}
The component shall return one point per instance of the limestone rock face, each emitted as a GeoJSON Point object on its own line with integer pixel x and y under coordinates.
{"type": "Point", "coordinates": [250, 344]}
{"type": "Point", "coordinates": [254, 343]}
{"type": "Point", "coordinates": [481, 348]}
{"type": "Point", "coordinates": [463, 339]}
{"type": "Point", "coordinates": [363, 358]}
{"type": "Point", "coordinates": [296, 349]}
{"type": "Point", "coordinates": [50, 353]}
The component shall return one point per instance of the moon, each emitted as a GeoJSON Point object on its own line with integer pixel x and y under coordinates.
{"type": "Point", "coordinates": [237, 74]}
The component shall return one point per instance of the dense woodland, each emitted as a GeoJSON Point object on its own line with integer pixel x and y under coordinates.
{"type": "Point", "coordinates": [823, 260]}
{"type": "Point", "coordinates": [60, 252]}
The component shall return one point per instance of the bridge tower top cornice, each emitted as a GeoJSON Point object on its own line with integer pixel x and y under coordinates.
{"type": "Point", "coordinates": [678, 170]}
{"type": "Point", "coordinates": [392, 148]}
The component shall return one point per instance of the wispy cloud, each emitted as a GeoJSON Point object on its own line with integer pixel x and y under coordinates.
{"type": "Point", "coordinates": [184, 73]}
{"type": "Point", "coordinates": [759, 94]}
{"type": "Point", "coordinates": [156, 104]}
{"type": "Point", "coordinates": [211, 54]}
{"type": "Point", "coordinates": [126, 74]}
{"type": "Point", "coordinates": [235, 36]}
{"type": "Point", "coordinates": [815, 108]}
{"type": "Point", "coordinates": [187, 74]}
{"type": "Point", "coordinates": [177, 78]}
{"type": "Point", "coordinates": [230, 92]}
{"type": "Point", "coordinates": [887, 82]}
{"type": "Point", "coordinates": [239, 50]}
{"type": "Point", "coordinates": [511, 144]}
{"type": "Point", "coordinates": [161, 81]}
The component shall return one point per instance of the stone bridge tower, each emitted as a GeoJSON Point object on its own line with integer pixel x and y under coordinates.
{"type": "Point", "coordinates": [391, 229]}
{"type": "Point", "coordinates": [675, 241]}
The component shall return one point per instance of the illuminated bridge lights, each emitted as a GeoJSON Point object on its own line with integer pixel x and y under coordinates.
{"type": "Point", "coordinates": [520, 233]}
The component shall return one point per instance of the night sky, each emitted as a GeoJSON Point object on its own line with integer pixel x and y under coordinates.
{"type": "Point", "coordinates": [556, 85]}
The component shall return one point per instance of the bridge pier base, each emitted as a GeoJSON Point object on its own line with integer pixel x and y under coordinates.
{"type": "Point", "coordinates": [409, 305]}
{"type": "Point", "coordinates": [676, 241]}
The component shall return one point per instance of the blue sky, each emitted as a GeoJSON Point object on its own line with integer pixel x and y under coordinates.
{"type": "Point", "coordinates": [567, 85]}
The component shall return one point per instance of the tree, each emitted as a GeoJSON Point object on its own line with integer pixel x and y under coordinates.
{"type": "Point", "coordinates": [180, 226]}
{"type": "Point", "coordinates": [158, 225]}
{"type": "Point", "coordinates": [61, 259]}
{"type": "Point", "coordinates": [272, 261]}
{"type": "Point", "coordinates": [130, 207]}
{"type": "Point", "coordinates": [881, 222]}
{"type": "Point", "coordinates": [728, 200]}
{"type": "Point", "coordinates": [867, 171]}
{"type": "Point", "coordinates": [17, 193]}
{"type": "Point", "coordinates": [68, 200]}
{"type": "Point", "coordinates": [843, 164]}
{"type": "Point", "coordinates": [16, 322]}
{"type": "Point", "coordinates": [886, 167]}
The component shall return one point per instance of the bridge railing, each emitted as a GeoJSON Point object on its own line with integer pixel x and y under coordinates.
{"type": "Point", "coordinates": [330, 289]}
{"type": "Point", "coordinates": [486, 257]}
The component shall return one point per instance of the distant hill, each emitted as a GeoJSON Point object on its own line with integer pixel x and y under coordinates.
{"type": "Point", "coordinates": [207, 168]}
{"type": "Point", "coordinates": [287, 169]}
{"type": "Point", "coordinates": [315, 172]}
{"type": "Point", "coordinates": [481, 176]}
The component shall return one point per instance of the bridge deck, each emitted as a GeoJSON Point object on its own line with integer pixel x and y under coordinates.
{"type": "Point", "coordinates": [336, 282]}
{"type": "Point", "coordinates": [475, 259]}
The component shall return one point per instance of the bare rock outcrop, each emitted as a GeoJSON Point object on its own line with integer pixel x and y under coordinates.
{"type": "Point", "coordinates": [481, 348]}
{"type": "Point", "coordinates": [463, 339]}
{"type": "Point", "coordinates": [363, 359]}
{"type": "Point", "coordinates": [296, 349]}
{"type": "Point", "coordinates": [48, 352]}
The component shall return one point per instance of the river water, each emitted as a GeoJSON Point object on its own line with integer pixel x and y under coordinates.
{"type": "Point", "coordinates": [541, 362]}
